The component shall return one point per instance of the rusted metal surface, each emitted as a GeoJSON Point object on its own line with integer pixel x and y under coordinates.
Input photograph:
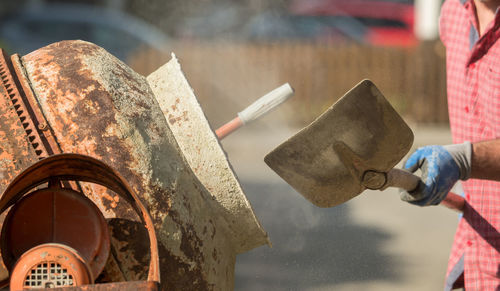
{"type": "Point", "coordinates": [88, 102]}
{"type": "Point", "coordinates": [79, 168]}
{"type": "Point", "coordinates": [11, 85]}
{"type": "Point", "coordinates": [16, 152]}
{"type": "Point", "coordinates": [43, 130]}
{"type": "Point", "coordinates": [18, 91]}
{"type": "Point", "coordinates": [16, 129]}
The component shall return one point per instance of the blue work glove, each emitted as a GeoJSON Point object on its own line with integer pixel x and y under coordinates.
{"type": "Point", "coordinates": [442, 167]}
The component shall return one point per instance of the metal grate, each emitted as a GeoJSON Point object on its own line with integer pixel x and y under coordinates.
{"type": "Point", "coordinates": [48, 275]}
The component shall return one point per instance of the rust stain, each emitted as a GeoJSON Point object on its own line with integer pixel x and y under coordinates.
{"type": "Point", "coordinates": [172, 119]}
{"type": "Point", "coordinates": [76, 96]}
{"type": "Point", "coordinates": [13, 91]}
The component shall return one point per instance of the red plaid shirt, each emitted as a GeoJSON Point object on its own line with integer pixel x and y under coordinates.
{"type": "Point", "coordinates": [473, 83]}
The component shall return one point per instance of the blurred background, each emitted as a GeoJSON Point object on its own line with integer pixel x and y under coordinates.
{"type": "Point", "coordinates": [234, 51]}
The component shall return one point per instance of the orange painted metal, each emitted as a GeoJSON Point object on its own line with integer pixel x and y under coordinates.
{"type": "Point", "coordinates": [118, 286]}
{"type": "Point", "coordinates": [56, 215]}
{"type": "Point", "coordinates": [49, 266]}
{"type": "Point", "coordinates": [81, 168]}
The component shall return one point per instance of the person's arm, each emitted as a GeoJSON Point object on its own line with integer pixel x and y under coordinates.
{"type": "Point", "coordinates": [485, 162]}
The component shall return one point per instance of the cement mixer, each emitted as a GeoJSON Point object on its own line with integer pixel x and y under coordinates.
{"type": "Point", "coordinates": [72, 102]}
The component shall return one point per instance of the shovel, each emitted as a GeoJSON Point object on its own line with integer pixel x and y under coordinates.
{"type": "Point", "coordinates": [351, 147]}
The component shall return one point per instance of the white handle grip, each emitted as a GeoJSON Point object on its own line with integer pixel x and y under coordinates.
{"type": "Point", "coordinates": [265, 103]}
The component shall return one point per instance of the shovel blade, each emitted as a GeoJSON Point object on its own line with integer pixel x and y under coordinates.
{"type": "Point", "coordinates": [326, 160]}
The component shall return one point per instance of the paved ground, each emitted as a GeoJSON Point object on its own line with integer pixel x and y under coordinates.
{"type": "Point", "coordinates": [373, 242]}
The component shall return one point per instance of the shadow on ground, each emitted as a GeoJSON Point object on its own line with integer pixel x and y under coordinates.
{"type": "Point", "coordinates": [312, 246]}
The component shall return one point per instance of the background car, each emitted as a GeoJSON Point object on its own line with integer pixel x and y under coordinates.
{"type": "Point", "coordinates": [381, 23]}
{"type": "Point", "coordinates": [32, 27]}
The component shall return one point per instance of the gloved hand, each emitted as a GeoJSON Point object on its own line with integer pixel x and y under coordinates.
{"type": "Point", "coordinates": [441, 167]}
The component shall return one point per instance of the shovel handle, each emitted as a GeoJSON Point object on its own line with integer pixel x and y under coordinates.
{"type": "Point", "coordinates": [402, 179]}
{"type": "Point", "coordinates": [409, 182]}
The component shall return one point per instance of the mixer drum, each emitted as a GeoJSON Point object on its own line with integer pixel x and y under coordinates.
{"type": "Point", "coordinates": [74, 97]}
